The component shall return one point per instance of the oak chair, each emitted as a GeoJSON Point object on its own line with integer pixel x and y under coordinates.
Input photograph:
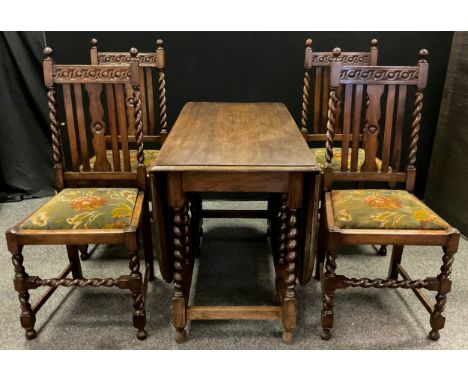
{"type": "Point", "coordinates": [99, 203]}
{"type": "Point", "coordinates": [153, 107]}
{"type": "Point", "coordinates": [317, 68]}
{"type": "Point", "coordinates": [368, 216]}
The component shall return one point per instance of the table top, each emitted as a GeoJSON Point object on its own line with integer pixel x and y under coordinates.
{"type": "Point", "coordinates": [216, 136]}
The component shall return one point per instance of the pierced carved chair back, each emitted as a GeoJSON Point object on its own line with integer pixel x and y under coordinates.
{"type": "Point", "coordinates": [373, 103]}
{"type": "Point", "coordinates": [154, 114]}
{"type": "Point", "coordinates": [94, 106]}
{"type": "Point", "coordinates": [317, 83]}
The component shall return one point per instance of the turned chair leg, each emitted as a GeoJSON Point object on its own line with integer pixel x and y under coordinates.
{"type": "Point", "coordinates": [147, 240]}
{"type": "Point", "coordinates": [328, 295]}
{"type": "Point", "coordinates": [181, 233]}
{"type": "Point", "coordinates": [437, 319]}
{"type": "Point", "coordinates": [289, 300]}
{"type": "Point", "coordinates": [136, 288]}
{"type": "Point", "coordinates": [27, 317]}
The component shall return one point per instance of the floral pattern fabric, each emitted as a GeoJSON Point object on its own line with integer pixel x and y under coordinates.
{"type": "Point", "coordinates": [382, 209]}
{"type": "Point", "coordinates": [85, 208]}
{"type": "Point", "coordinates": [319, 154]}
{"type": "Point", "coordinates": [150, 157]}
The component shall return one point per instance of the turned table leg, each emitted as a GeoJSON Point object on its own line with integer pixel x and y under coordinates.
{"type": "Point", "coordinates": [289, 299]}
{"type": "Point", "coordinates": [180, 252]}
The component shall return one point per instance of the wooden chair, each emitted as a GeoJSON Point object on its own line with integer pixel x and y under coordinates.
{"type": "Point", "coordinates": [392, 217]}
{"type": "Point", "coordinates": [317, 67]}
{"type": "Point", "coordinates": [153, 109]}
{"type": "Point", "coordinates": [103, 203]}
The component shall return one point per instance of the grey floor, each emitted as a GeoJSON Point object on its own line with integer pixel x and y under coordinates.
{"type": "Point", "coordinates": [235, 268]}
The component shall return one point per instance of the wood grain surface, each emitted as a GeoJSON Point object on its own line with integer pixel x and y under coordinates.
{"type": "Point", "coordinates": [229, 136]}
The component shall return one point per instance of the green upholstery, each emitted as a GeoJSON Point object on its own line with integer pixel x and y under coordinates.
{"type": "Point", "coordinates": [382, 209]}
{"type": "Point", "coordinates": [319, 154]}
{"type": "Point", "coordinates": [85, 208]}
{"type": "Point", "coordinates": [150, 157]}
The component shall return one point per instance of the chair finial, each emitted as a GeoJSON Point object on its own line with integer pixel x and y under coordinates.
{"type": "Point", "coordinates": [308, 43]}
{"type": "Point", "coordinates": [374, 43]}
{"type": "Point", "coordinates": [48, 52]}
{"type": "Point", "coordinates": [94, 42]}
{"type": "Point", "coordinates": [423, 53]}
{"type": "Point", "coordinates": [336, 52]}
{"type": "Point", "coordinates": [133, 52]}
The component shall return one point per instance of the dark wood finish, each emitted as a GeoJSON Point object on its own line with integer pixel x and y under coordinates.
{"type": "Point", "coordinates": [234, 313]}
{"type": "Point", "coordinates": [224, 181]}
{"type": "Point", "coordinates": [235, 135]}
{"type": "Point", "coordinates": [234, 148]}
{"type": "Point", "coordinates": [95, 81]}
{"type": "Point", "coordinates": [379, 81]}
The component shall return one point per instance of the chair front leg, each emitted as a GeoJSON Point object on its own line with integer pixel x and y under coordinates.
{"type": "Point", "coordinates": [328, 294]}
{"type": "Point", "coordinates": [27, 317]}
{"type": "Point", "coordinates": [136, 288]}
{"type": "Point", "coordinates": [437, 319]}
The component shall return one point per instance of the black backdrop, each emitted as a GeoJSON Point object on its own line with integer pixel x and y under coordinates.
{"type": "Point", "coordinates": [214, 66]}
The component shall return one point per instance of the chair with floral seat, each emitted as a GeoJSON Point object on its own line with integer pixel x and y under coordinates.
{"type": "Point", "coordinates": [95, 203]}
{"type": "Point", "coordinates": [380, 216]}
{"type": "Point", "coordinates": [314, 115]}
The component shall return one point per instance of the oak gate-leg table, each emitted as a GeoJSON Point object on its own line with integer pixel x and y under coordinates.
{"type": "Point", "coordinates": [235, 147]}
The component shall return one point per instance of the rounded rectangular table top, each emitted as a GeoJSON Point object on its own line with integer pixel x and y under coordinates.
{"type": "Point", "coordinates": [216, 136]}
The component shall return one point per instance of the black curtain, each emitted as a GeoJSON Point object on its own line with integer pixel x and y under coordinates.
{"type": "Point", "coordinates": [447, 185]}
{"type": "Point", "coordinates": [25, 148]}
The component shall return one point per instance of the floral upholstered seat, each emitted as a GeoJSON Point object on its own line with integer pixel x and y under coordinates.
{"type": "Point", "coordinates": [382, 209]}
{"type": "Point", "coordinates": [319, 154]}
{"type": "Point", "coordinates": [150, 157]}
{"type": "Point", "coordinates": [85, 208]}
